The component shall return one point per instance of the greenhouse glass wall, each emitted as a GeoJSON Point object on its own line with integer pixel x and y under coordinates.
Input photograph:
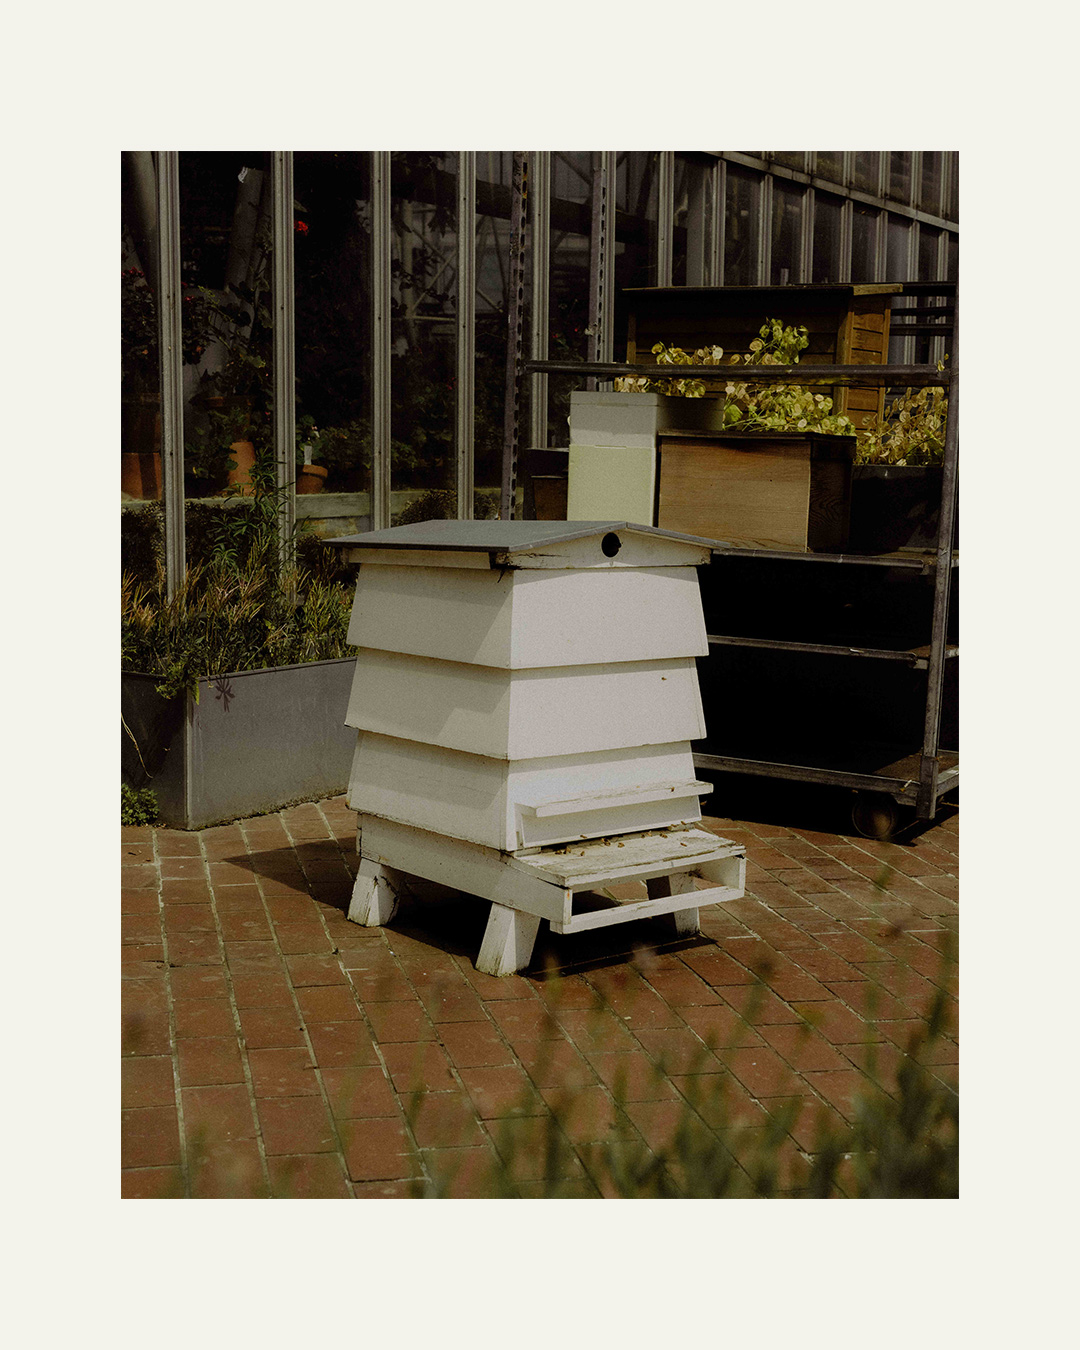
{"type": "Point", "coordinates": [348, 331]}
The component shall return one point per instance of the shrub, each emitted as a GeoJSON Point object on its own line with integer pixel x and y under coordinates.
{"type": "Point", "coordinates": [137, 807]}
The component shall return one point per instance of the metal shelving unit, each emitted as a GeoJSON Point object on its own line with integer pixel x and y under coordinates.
{"type": "Point", "coordinates": [885, 776]}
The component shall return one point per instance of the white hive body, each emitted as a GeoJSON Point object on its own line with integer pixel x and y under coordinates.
{"type": "Point", "coordinates": [521, 685]}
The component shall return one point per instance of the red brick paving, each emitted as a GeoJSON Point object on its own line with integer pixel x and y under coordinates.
{"type": "Point", "coordinates": [270, 1048]}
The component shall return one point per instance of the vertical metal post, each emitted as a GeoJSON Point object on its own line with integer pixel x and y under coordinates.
{"type": "Point", "coordinates": [601, 253]}
{"type": "Point", "coordinates": [170, 354]}
{"type": "Point", "coordinates": [847, 230]}
{"type": "Point", "coordinates": [809, 214]}
{"type": "Point", "coordinates": [713, 272]}
{"type": "Point", "coordinates": [721, 220]}
{"type": "Point", "coordinates": [935, 675]}
{"type": "Point", "coordinates": [540, 194]}
{"type": "Point", "coordinates": [465, 349]}
{"type": "Point", "coordinates": [764, 230]}
{"type": "Point", "coordinates": [380, 339]}
{"type": "Point", "coordinates": [665, 215]}
{"type": "Point", "coordinates": [284, 374]}
{"type": "Point", "coordinates": [515, 325]}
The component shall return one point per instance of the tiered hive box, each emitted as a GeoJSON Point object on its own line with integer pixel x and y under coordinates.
{"type": "Point", "coordinates": [523, 684]}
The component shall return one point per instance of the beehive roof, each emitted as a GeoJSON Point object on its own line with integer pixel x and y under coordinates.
{"type": "Point", "coordinates": [501, 535]}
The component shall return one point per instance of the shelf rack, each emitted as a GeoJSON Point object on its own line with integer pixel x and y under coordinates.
{"type": "Point", "coordinates": [917, 779]}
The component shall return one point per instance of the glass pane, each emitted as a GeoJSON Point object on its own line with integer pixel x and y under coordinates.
{"type": "Point", "coordinates": [422, 335]}
{"type": "Point", "coordinates": [949, 193]}
{"type": "Point", "coordinates": [826, 268]}
{"type": "Point", "coordinates": [226, 252]}
{"type": "Point", "coordinates": [830, 165]}
{"type": "Point", "coordinates": [636, 194]}
{"type": "Point", "coordinates": [863, 243]}
{"type": "Point", "coordinates": [786, 234]}
{"type": "Point", "coordinates": [900, 175]}
{"type": "Point", "coordinates": [141, 540]}
{"type": "Point", "coordinates": [740, 227]}
{"type": "Point", "coordinates": [571, 210]}
{"type": "Point", "coordinates": [897, 264]}
{"type": "Point", "coordinates": [791, 159]}
{"type": "Point", "coordinates": [332, 256]}
{"type": "Point", "coordinates": [865, 170]}
{"type": "Point", "coordinates": [928, 253]}
{"type": "Point", "coordinates": [494, 180]}
{"type": "Point", "coordinates": [930, 182]}
{"type": "Point", "coordinates": [952, 271]}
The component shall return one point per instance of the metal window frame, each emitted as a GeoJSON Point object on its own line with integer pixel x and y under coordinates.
{"type": "Point", "coordinates": [171, 364]}
{"type": "Point", "coordinates": [540, 311]}
{"type": "Point", "coordinates": [665, 216]}
{"type": "Point", "coordinates": [380, 339]}
{"type": "Point", "coordinates": [465, 340]}
{"type": "Point", "coordinates": [283, 299]}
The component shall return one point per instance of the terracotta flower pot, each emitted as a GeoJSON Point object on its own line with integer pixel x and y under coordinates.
{"type": "Point", "coordinates": [310, 478]}
{"type": "Point", "coordinates": [243, 452]}
{"type": "Point", "coordinates": [140, 475]}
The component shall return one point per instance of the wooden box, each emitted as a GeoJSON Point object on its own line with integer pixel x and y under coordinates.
{"type": "Point", "coordinates": [758, 491]}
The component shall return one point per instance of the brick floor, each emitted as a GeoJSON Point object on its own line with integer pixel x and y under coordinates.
{"type": "Point", "coordinates": [270, 1048]}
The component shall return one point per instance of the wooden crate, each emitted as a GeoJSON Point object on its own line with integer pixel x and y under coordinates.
{"type": "Point", "coordinates": [846, 325]}
{"type": "Point", "coordinates": [763, 491]}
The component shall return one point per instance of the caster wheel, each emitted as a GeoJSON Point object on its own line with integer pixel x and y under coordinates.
{"type": "Point", "coordinates": [875, 815]}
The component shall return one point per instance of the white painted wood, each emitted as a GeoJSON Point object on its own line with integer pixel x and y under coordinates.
{"type": "Point", "coordinates": [464, 867]}
{"type": "Point", "coordinates": [530, 618]}
{"type": "Point", "coordinates": [687, 921]}
{"type": "Point", "coordinates": [588, 866]}
{"type": "Point", "coordinates": [729, 871]}
{"type": "Point", "coordinates": [637, 549]}
{"type": "Point", "coordinates": [617, 481]}
{"type": "Point", "coordinates": [508, 941]}
{"type": "Point", "coordinates": [489, 801]}
{"type": "Point", "coordinates": [374, 897]}
{"type": "Point", "coordinates": [594, 800]}
{"type": "Point", "coordinates": [642, 909]}
{"type": "Point", "coordinates": [525, 714]}
{"type": "Point", "coordinates": [613, 419]}
{"type": "Point", "coordinates": [648, 815]}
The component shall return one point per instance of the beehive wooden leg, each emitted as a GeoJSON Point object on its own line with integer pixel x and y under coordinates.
{"type": "Point", "coordinates": [687, 921]}
{"type": "Point", "coordinates": [374, 898]}
{"type": "Point", "coordinates": [508, 941]}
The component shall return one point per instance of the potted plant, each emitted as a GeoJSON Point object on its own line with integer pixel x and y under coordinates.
{"type": "Point", "coordinates": [233, 689]}
{"type": "Point", "coordinates": [140, 426]}
{"type": "Point", "coordinates": [896, 488]}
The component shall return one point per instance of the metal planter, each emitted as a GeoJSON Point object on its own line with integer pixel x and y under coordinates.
{"type": "Point", "coordinates": [255, 741]}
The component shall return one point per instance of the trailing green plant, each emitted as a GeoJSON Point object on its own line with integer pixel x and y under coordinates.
{"type": "Point", "coordinates": [138, 806]}
{"type": "Point", "coordinates": [912, 431]}
{"type": "Point", "coordinates": [750, 406]}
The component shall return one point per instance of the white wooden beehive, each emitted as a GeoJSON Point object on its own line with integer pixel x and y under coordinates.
{"type": "Point", "coordinates": [525, 683]}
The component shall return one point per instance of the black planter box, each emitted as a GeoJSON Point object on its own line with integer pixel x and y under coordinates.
{"type": "Point", "coordinates": [895, 506]}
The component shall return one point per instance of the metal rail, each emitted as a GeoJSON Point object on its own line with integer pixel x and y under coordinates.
{"type": "Point", "coordinates": [914, 376]}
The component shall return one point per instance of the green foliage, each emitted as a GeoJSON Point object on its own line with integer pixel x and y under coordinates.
{"type": "Point", "coordinates": [240, 607]}
{"type": "Point", "coordinates": [746, 406]}
{"type": "Point", "coordinates": [137, 807]}
{"type": "Point", "coordinates": [912, 430]}
{"type": "Point", "coordinates": [138, 331]}
{"type": "Point", "coordinates": [441, 504]}
{"type": "Point", "coordinates": [902, 1141]}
